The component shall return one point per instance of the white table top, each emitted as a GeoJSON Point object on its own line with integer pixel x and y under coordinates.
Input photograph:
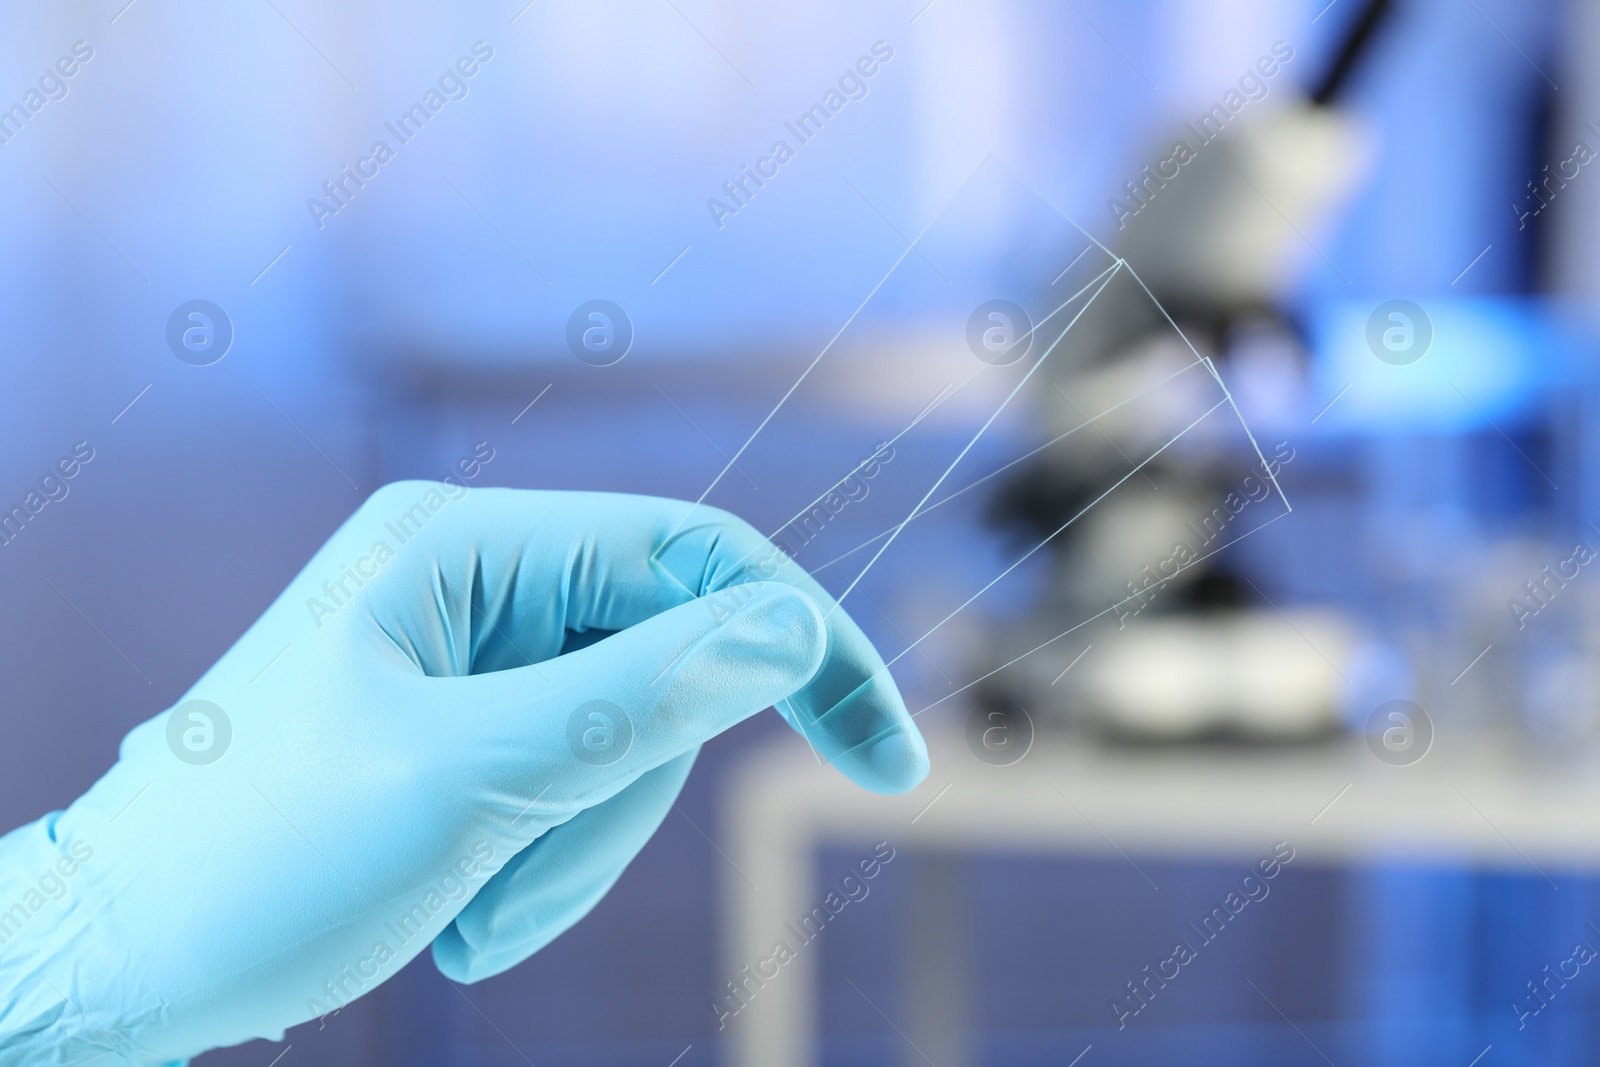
{"type": "Point", "coordinates": [1478, 802]}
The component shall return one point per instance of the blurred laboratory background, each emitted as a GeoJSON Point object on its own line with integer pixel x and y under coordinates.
{"type": "Point", "coordinates": [1195, 401]}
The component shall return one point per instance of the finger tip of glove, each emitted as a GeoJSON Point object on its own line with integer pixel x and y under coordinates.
{"type": "Point", "coordinates": [870, 737]}
{"type": "Point", "coordinates": [458, 961]}
{"type": "Point", "coordinates": [901, 761]}
{"type": "Point", "coordinates": [452, 956]}
{"type": "Point", "coordinates": [894, 762]}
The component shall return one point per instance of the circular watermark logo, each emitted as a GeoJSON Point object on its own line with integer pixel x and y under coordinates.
{"type": "Point", "coordinates": [1399, 332]}
{"type": "Point", "coordinates": [999, 332]}
{"type": "Point", "coordinates": [1399, 733]}
{"type": "Point", "coordinates": [1000, 736]}
{"type": "Point", "coordinates": [199, 332]}
{"type": "Point", "coordinates": [599, 333]}
{"type": "Point", "coordinates": [198, 732]}
{"type": "Point", "coordinates": [599, 733]}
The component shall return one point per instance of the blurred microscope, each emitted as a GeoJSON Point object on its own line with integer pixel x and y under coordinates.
{"type": "Point", "coordinates": [1208, 654]}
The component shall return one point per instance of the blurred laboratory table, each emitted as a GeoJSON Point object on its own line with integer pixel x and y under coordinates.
{"type": "Point", "coordinates": [1481, 803]}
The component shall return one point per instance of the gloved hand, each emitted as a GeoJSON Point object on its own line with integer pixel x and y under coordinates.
{"type": "Point", "coordinates": [456, 726]}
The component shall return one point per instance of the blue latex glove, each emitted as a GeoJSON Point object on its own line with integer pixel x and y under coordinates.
{"type": "Point", "coordinates": [475, 727]}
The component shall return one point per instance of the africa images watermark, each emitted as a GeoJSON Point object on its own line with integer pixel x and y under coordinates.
{"type": "Point", "coordinates": [1252, 86]}
{"type": "Point", "coordinates": [353, 576]}
{"type": "Point", "coordinates": [1211, 527]}
{"type": "Point", "coordinates": [852, 85]}
{"type": "Point", "coordinates": [806, 528]}
{"type": "Point", "coordinates": [452, 85]}
{"type": "Point", "coordinates": [853, 487]}
{"type": "Point", "coordinates": [1544, 587]}
{"type": "Point", "coordinates": [1252, 889]}
{"type": "Point", "coordinates": [453, 886]}
{"type": "Point", "coordinates": [53, 488]}
{"type": "Point", "coordinates": [1553, 982]}
{"type": "Point", "coordinates": [1533, 204]}
{"type": "Point", "coordinates": [854, 889]}
{"type": "Point", "coordinates": [49, 887]}
{"type": "Point", "coordinates": [52, 85]}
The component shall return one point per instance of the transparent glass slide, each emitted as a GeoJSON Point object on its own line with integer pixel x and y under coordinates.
{"type": "Point", "coordinates": [995, 351]}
